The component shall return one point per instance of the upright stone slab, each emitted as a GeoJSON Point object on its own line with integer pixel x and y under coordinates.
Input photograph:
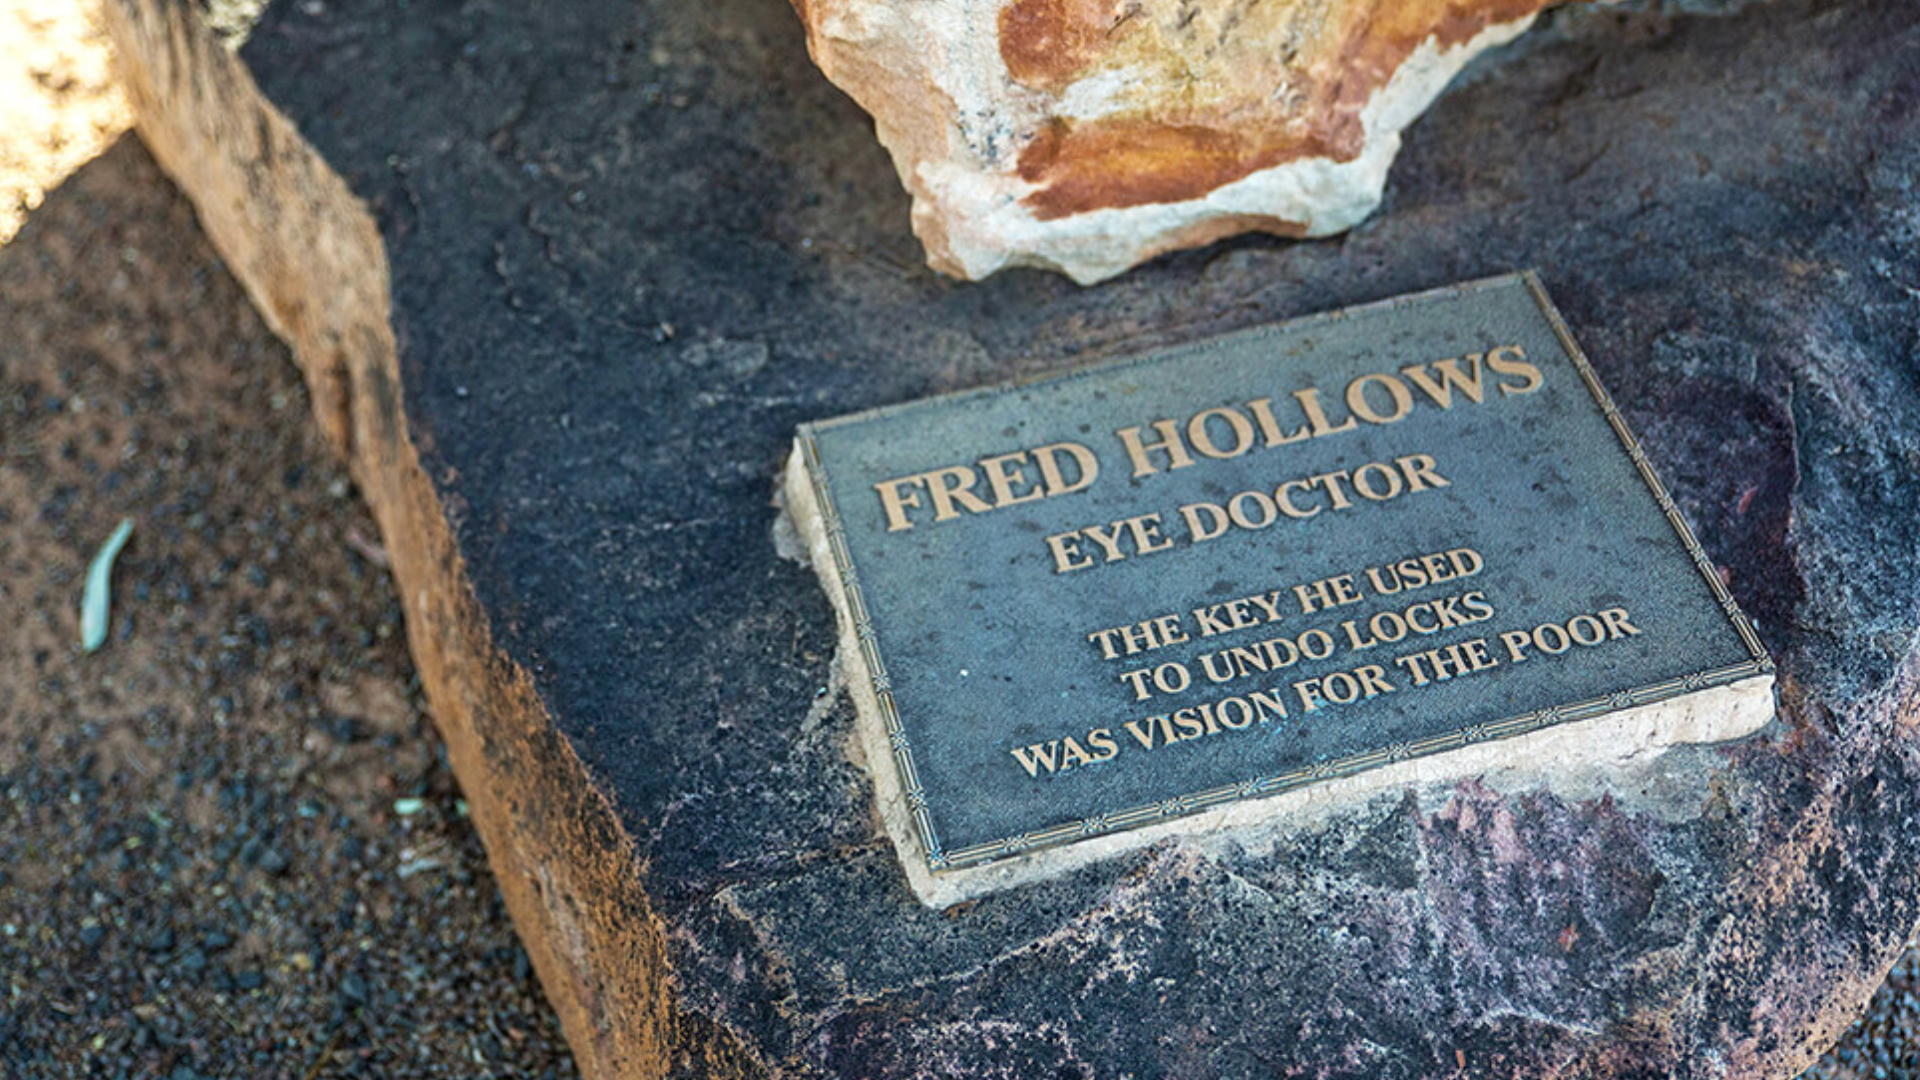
{"type": "Point", "coordinates": [566, 279]}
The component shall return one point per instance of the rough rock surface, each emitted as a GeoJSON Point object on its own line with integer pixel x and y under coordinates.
{"type": "Point", "coordinates": [1087, 136]}
{"type": "Point", "coordinates": [610, 253]}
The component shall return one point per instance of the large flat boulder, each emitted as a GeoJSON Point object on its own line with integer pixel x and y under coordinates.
{"type": "Point", "coordinates": [565, 278]}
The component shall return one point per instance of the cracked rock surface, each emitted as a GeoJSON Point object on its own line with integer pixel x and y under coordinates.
{"type": "Point", "coordinates": [632, 245]}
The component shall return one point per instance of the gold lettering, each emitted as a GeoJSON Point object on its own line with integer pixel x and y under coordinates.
{"type": "Point", "coordinates": [1510, 360]}
{"type": "Point", "coordinates": [1169, 444]}
{"type": "Point", "coordinates": [1034, 757]}
{"type": "Point", "coordinates": [1072, 753]}
{"type": "Point", "coordinates": [1150, 734]}
{"type": "Point", "coordinates": [1358, 404]}
{"type": "Point", "coordinates": [1046, 457]}
{"type": "Point", "coordinates": [1617, 624]}
{"type": "Point", "coordinates": [1104, 638]}
{"type": "Point", "coordinates": [1515, 640]}
{"type": "Point", "coordinates": [895, 502]}
{"type": "Point", "coordinates": [1285, 501]}
{"type": "Point", "coordinates": [1146, 534]}
{"type": "Point", "coordinates": [1432, 628]}
{"type": "Point", "coordinates": [1366, 487]}
{"type": "Point", "coordinates": [1332, 482]}
{"type": "Point", "coordinates": [1419, 471]}
{"type": "Point", "coordinates": [1310, 404]}
{"type": "Point", "coordinates": [1199, 532]}
{"type": "Point", "coordinates": [1269, 603]}
{"type": "Point", "coordinates": [1001, 482]}
{"type": "Point", "coordinates": [952, 485]}
{"type": "Point", "coordinates": [1107, 537]}
{"type": "Point", "coordinates": [1441, 390]}
{"type": "Point", "coordinates": [1202, 439]}
{"type": "Point", "coordinates": [1335, 591]}
{"type": "Point", "coordinates": [1066, 552]}
{"type": "Point", "coordinates": [1270, 428]}
{"type": "Point", "coordinates": [1101, 739]}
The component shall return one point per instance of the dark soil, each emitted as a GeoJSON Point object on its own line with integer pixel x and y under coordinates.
{"type": "Point", "coordinates": [207, 863]}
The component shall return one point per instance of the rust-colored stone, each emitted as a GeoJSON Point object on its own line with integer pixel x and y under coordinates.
{"type": "Point", "coordinates": [1091, 132]}
{"type": "Point", "coordinates": [1045, 43]}
{"type": "Point", "coordinates": [1144, 157]}
{"type": "Point", "coordinates": [1105, 165]}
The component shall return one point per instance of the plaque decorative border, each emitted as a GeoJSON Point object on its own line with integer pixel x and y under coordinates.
{"type": "Point", "coordinates": [940, 860]}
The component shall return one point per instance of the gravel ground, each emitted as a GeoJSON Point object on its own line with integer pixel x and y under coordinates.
{"type": "Point", "coordinates": [229, 842]}
{"type": "Point", "coordinates": [1885, 1044]}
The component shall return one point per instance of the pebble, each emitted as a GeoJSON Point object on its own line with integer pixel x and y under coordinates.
{"type": "Point", "coordinates": [1886, 1041]}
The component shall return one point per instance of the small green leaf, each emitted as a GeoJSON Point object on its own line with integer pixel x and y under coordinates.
{"type": "Point", "coordinates": [96, 603]}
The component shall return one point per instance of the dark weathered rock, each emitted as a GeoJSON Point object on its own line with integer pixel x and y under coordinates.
{"type": "Point", "coordinates": [631, 246]}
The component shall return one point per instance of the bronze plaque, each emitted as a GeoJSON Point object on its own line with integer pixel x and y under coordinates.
{"type": "Point", "coordinates": [1221, 572]}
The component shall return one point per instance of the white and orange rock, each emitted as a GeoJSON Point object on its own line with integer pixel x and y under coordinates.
{"type": "Point", "coordinates": [1086, 136]}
